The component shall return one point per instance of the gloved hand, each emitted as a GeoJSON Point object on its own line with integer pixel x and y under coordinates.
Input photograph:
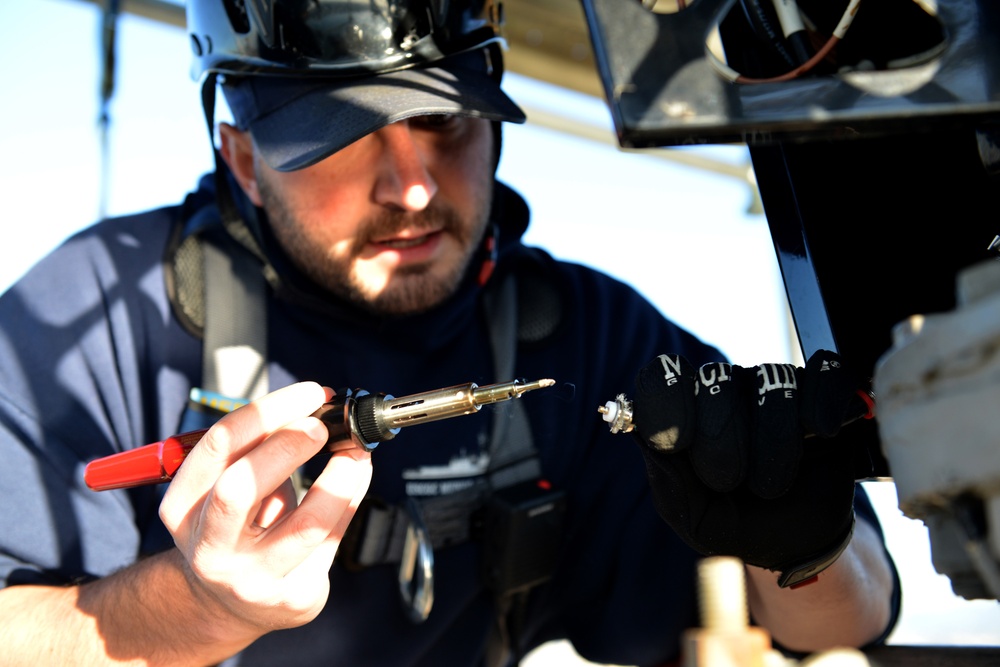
{"type": "Point", "coordinates": [739, 462]}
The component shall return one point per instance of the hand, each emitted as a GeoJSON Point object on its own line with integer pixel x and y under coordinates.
{"type": "Point", "coordinates": [254, 555]}
{"type": "Point", "coordinates": [730, 464]}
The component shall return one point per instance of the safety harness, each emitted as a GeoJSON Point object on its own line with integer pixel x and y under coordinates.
{"type": "Point", "coordinates": [218, 287]}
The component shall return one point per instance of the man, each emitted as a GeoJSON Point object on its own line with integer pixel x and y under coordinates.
{"type": "Point", "coordinates": [364, 192]}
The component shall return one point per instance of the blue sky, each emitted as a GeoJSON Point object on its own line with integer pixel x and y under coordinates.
{"type": "Point", "coordinates": [680, 235]}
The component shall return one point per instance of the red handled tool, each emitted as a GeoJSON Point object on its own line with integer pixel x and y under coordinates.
{"type": "Point", "coordinates": [353, 418]}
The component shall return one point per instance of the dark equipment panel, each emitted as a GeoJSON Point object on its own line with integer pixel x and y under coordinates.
{"type": "Point", "coordinates": [877, 184]}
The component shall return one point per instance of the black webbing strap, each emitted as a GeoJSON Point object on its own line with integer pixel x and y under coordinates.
{"type": "Point", "coordinates": [234, 357]}
{"type": "Point", "coordinates": [235, 365]}
{"type": "Point", "coordinates": [513, 459]}
{"type": "Point", "coordinates": [231, 218]}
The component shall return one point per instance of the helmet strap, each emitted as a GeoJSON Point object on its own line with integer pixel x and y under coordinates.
{"type": "Point", "coordinates": [228, 211]}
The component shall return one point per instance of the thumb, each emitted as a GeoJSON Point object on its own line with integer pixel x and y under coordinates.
{"type": "Point", "coordinates": [831, 395]}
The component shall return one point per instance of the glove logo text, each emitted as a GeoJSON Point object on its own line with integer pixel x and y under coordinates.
{"type": "Point", "coordinates": [671, 368]}
{"type": "Point", "coordinates": [711, 377]}
{"type": "Point", "coordinates": [776, 377]}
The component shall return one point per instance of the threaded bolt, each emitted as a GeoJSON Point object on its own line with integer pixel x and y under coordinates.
{"type": "Point", "coordinates": [722, 594]}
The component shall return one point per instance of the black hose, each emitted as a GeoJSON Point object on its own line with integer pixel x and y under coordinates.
{"type": "Point", "coordinates": [763, 22]}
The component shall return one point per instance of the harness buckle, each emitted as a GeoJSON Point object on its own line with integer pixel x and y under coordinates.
{"type": "Point", "coordinates": [416, 569]}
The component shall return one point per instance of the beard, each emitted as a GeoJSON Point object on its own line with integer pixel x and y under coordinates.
{"type": "Point", "coordinates": [411, 289]}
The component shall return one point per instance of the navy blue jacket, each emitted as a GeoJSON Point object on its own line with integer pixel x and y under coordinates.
{"type": "Point", "coordinates": [93, 360]}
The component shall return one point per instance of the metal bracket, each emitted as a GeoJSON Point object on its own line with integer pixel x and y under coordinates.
{"type": "Point", "coordinates": [663, 89]}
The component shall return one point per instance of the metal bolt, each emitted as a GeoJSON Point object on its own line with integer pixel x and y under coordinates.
{"type": "Point", "coordinates": [723, 596]}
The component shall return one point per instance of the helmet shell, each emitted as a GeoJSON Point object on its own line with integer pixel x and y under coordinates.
{"type": "Point", "coordinates": [334, 37]}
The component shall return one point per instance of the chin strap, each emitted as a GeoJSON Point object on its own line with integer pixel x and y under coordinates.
{"type": "Point", "coordinates": [231, 218]}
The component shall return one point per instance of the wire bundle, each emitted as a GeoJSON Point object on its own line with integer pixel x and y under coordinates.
{"type": "Point", "coordinates": [782, 25]}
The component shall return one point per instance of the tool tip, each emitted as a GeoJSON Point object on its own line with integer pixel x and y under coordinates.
{"type": "Point", "coordinates": [521, 386]}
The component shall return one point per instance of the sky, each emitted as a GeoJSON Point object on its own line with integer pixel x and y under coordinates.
{"type": "Point", "coordinates": [681, 236]}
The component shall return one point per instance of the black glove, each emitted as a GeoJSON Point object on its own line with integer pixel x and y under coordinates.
{"type": "Point", "coordinates": [739, 462]}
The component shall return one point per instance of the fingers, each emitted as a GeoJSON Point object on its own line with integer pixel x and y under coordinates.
{"type": "Point", "coordinates": [241, 460]}
{"type": "Point", "coordinates": [734, 425]}
{"type": "Point", "coordinates": [239, 491]}
{"type": "Point", "coordinates": [276, 505]}
{"type": "Point", "coordinates": [728, 465]}
{"type": "Point", "coordinates": [703, 413]}
{"type": "Point", "coordinates": [319, 522]}
{"type": "Point", "coordinates": [829, 395]}
{"type": "Point", "coordinates": [664, 404]}
{"type": "Point", "coordinates": [777, 436]}
{"type": "Point", "coordinates": [240, 431]}
{"type": "Point", "coordinates": [721, 452]}
{"type": "Point", "coordinates": [249, 545]}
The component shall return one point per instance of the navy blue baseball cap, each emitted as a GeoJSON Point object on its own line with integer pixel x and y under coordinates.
{"type": "Point", "coordinates": [298, 121]}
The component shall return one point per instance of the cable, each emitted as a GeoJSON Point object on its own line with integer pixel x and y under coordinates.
{"type": "Point", "coordinates": [762, 24]}
{"type": "Point", "coordinates": [838, 34]}
{"type": "Point", "coordinates": [794, 29]}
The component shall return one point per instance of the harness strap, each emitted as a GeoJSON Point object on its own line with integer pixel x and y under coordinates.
{"type": "Point", "coordinates": [234, 361]}
{"type": "Point", "coordinates": [513, 459]}
{"type": "Point", "coordinates": [235, 365]}
{"type": "Point", "coordinates": [447, 519]}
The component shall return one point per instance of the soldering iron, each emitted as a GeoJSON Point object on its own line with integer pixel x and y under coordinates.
{"type": "Point", "coordinates": [353, 418]}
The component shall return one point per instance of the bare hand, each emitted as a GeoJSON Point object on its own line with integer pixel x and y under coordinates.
{"type": "Point", "coordinates": [255, 555]}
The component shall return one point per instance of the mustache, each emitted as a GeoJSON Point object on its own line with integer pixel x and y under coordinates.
{"type": "Point", "coordinates": [389, 223]}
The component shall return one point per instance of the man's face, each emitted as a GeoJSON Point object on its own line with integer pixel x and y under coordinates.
{"type": "Point", "coordinates": [392, 221]}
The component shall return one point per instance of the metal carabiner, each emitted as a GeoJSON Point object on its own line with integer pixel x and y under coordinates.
{"type": "Point", "coordinates": [416, 569]}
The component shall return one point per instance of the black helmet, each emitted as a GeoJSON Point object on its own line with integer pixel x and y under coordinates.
{"type": "Point", "coordinates": [308, 77]}
{"type": "Point", "coordinates": [334, 37]}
